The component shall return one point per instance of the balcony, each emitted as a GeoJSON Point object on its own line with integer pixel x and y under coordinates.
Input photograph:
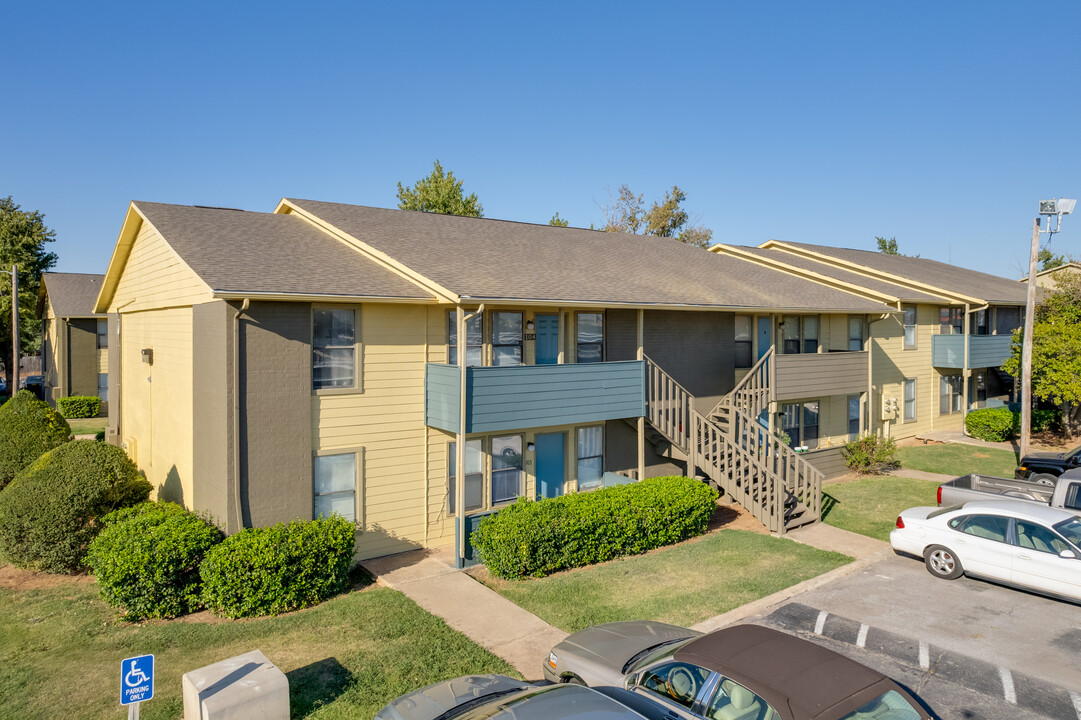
{"type": "Point", "coordinates": [820, 374]}
{"type": "Point", "coordinates": [524, 396]}
{"type": "Point", "coordinates": [948, 351]}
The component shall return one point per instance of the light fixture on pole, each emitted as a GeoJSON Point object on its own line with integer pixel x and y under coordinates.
{"type": "Point", "coordinates": [1050, 209]}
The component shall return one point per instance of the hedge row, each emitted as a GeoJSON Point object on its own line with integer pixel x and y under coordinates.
{"type": "Point", "coordinates": [79, 406]}
{"type": "Point", "coordinates": [1002, 423]}
{"type": "Point", "coordinates": [538, 537]}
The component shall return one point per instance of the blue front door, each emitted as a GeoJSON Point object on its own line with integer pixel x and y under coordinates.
{"type": "Point", "coordinates": [547, 348]}
{"type": "Point", "coordinates": [763, 336]}
{"type": "Point", "coordinates": [550, 465]}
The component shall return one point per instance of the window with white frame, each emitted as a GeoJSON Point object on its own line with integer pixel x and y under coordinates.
{"type": "Point", "coordinates": [334, 348]}
{"type": "Point", "coordinates": [910, 400]}
{"type": "Point", "coordinates": [590, 337]}
{"type": "Point", "coordinates": [909, 312]}
{"type": "Point", "coordinates": [506, 468]}
{"type": "Point", "coordinates": [506, 338]}
{"type": "Point", "coordinates": [474, 474]}
{"type": "Point", "coordinates": [949, 394]}
{"type": "Point", "coordinates": [855, 333]}
{"type": "Point", "coordinates": [744, 342]}
{"type": "Point", "coordinates": [103, 386]}
{"type": "Point", "coordinates": [474, 340]}
{"type": "Point", "coordinates": [334, 480]}
{"type": "Point", "coordinates": [103, 334]}
{"type": "Point", "coordinates": [799, 334]}
{"type": "Point", "coordinates": [590, 457]}
{"type": "Point", "coordinates": [800, 423]}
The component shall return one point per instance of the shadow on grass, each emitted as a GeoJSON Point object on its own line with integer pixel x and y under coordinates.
{"type": "Point", "coordinates": [317, 684]}
{"type": "Point", "coordinates": [828, 503]}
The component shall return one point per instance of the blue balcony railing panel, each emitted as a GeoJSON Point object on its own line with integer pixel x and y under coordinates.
{"type": "Point", "coordinates": [948, 351]}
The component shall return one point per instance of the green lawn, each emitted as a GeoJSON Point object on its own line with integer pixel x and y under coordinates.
{"type": "Point", "coordinates": [683, 585]}
{"type": "Point", "coordinates": [958, 459]}
{"type": "Point", "coordinates": [60, 653]}
{"type": "Point", "coordinates": [87, 426]}
{"type": "Point", "coordinates": [870, 506]}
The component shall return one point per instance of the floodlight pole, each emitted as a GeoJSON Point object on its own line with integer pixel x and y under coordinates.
{"type": "Point", "coordinates": [1026, 345]}
{"type": "Point", "coordinates": [14, 331]}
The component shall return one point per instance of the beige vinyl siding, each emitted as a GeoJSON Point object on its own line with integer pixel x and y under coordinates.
{"type": "Point", "coordinates": [387, 420]}
{"type": "Point", "coordinates": [891, 365]}
{"type": "Point", "coordinates": [52, 354]}
{"type": "Point", "coordinates": [157, 416]}
{"type": "Point", "coordinates": [155, 277]}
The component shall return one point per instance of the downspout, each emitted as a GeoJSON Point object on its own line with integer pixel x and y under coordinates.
{"type": "Point", "coordinates": [459, 445]}
{"type": "Point", "coordinates": [238, 514]}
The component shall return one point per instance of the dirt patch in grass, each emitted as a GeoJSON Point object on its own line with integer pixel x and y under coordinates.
{"type": "Point", "coordinates": [13, 578]}
{"type": "Point", "coordinates": [733, 516]}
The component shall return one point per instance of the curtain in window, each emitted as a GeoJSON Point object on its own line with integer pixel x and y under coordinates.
{"type": "Point", "coordinates": [506, 338]}
{"type": "Point", "coordinates": [506, 468]}
{"type": "Point", "coordinates": [590, 457]}
{"type": "Point", "coordinates": [335, 480]}
{"type": "Point", "coordinates": [590, 337]}
{"type": "Point", "coordinates": [333, 348]}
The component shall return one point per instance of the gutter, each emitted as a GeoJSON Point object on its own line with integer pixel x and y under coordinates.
{"type": "Point", "coordinates": [238, 513]}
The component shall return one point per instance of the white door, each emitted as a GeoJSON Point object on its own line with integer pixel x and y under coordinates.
{"type": "Point", "coordinates": [983, 548]}
{"type": "Point", "coordinates": [1036, 562]}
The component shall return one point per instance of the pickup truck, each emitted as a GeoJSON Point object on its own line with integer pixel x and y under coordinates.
{"type": "Point", "coordinates": [1059, 492]}
{"type": "Point", "coordinates": [1047, 463]}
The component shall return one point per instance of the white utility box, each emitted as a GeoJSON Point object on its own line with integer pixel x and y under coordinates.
{"type": "Point", "coordinates": [245, 686]}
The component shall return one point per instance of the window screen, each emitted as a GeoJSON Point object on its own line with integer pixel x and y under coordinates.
{"type": "Point", "coordinates": [590, 457]}
{"type": "Point", "coordinates": [333, 349]}
{"type": "Point", "coordinates": [334, 478]}
{"type": "Point", "coordinates": [590, 337]}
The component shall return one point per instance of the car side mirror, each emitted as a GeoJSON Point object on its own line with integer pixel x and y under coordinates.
{"type": "Point", "coordinates": [1068, 554]}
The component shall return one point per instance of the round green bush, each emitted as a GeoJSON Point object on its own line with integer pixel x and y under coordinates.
{"type": "Point", "coordinates": [28, 429]}
{"type": "Point", "coordinates": [992, 424]}
{"type": "Point", "coordinates": [79, 406]}
{"type": "Point", "coordinates": [266, 571]}
{"type": "Point", "coordinates": [53, 509]}
{"type": "Point", "coordinates": [146, 559]}
{"type": "Point", "coordinates": [539, 537]}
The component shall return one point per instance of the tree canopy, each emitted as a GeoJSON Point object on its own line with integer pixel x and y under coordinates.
{"type": "Point", "coordinates": [558, 221]}
{"type": "Point", "coordinates": [23, 235]}
{"type": "Point", "coordinates": [888, 247]}
{"type": "Point", "coordinates": [626, 213]}
{"type": "Point", "coordinates": [1049, 260]}
{"type": "Point", "coordinates": [439, 193]}
{"type": "Point", "coordinates": [1056, 349]}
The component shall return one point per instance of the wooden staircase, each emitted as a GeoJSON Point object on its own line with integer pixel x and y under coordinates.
{"type": "Point", "coordinates": [734, 450]}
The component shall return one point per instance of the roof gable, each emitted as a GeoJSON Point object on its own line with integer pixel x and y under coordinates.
{"type": "Point", "coordinates": [69, 294]}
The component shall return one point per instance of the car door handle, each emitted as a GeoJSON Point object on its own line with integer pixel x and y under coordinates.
{"type": "Point", "coordinates": [1024, 557]}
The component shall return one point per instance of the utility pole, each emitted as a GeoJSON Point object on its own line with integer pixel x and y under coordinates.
{"type": "Point", "coordinates": [14, 331]}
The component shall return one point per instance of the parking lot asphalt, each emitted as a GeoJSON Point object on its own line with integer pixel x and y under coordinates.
{"type": "Point", "coordinates": [970, 649]}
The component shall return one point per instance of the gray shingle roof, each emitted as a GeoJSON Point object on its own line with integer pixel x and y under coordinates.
{"type": "Point", "coordinates": [236, 252]}
{"type": "Point", "coordinates": [72, 294]}
{"type": "Point", "coordinates": [989, 288]}
{"type": "Point", "coordinates": [848, 276]}
{"type": "Point", "coordinates": [488, 259]}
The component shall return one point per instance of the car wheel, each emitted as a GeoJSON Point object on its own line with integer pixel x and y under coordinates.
{"type": "Point", "coordinates": [942, 562]}
{"type": "Point", "coordinates": [1044, 479]}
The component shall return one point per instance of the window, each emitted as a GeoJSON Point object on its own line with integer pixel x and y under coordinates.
{"type": "Point", "coordinates": [506, 338]}
{"type": "Point", "coordinates": [506, 468]}
{"type": "Point", "coordinates": [990, 527]}
{"type": "Point", "coordinates": [743, 343]}
{"type": "Point", "coordinates": [474, 340]}
{"type": "Point", "coordinates": [732, 700]}
{"type": "Point", "coordinates": [888, 706]}
{"type": "Point", "coordinates": [1036, 537]}
{"type": "Point", "coordinates": [800, 423]}
{"type": "Point", "coordinates": [103, 334]}
{"type": "Point", "coordinates": [590, 337]}
{"type": "Point", "coordinates": [334, 479]}
{"type": "Point", "coordinates": [853, 417]}
{"type": "Point", "coordinates": [677, 681]}
{"type": "Point", "coordinates": [1007, 319]}
{"type": "Point", "coordinates": [333, 348]}
{"type": "Point", "coordinates": [103, 386]}
{"type": "Point", "coordinates": [590, 457]}
{"type": "Point", "coordinates": [978, 325]}
{"type": "Point", "coordinates": [949, 394]}
{"type": "Point", "coordinates": [910, 400]}
{"type": "Point", "coordinates": [951, 321]}
{"type": "Point", "coordinates": [910, 325]}
{"type": "Point", "coordinates": [799, 334]}
{"type": "Point", "coordinates": [474, 474]}
{"type": "Point", "coordinates": [855, 333]}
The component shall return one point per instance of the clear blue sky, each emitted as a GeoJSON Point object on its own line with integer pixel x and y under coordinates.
{"type": "Point", "coordinates": [939, 123]}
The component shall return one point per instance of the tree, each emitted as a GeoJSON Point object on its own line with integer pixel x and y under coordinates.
{"type": "Point", "coordinates": [23, 235]}
{"type": "Point", "coordinates": [439, 193]}
{"type": "Point", "coordinates": [627, 214]}
{"type": "Point", "coordinates": [557, 221]}
{"type": "Point", "coordinates": [889, 247]}
{"type": "Point", "coordinates": [1056, 350]}
{"type": "Point", "coordinates": [1049, 260]}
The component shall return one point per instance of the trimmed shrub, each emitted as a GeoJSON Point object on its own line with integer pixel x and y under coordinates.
{"type": "Point", "coordinates": [284, 567]}
{"type": "Point", "coordinates": [870, 455]}
{"type": "Point", "coordinates": [539, 537]}
{"type": "Point", "coordinates": [79, 406]}
{"type": "Point", "coordinates": [53, 509]}
{"type": "Point", "coordinates": [992, 424]}
{"type": "Point", "coordinates": [1050, 419]}
{"type": "Point", "coordinates": [146, 560]}
{"type": "Point", "coordinates": [28, 429]}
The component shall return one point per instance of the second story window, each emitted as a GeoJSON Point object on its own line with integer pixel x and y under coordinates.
{"type": "Point", "coordinates": [474, 340]}
{"type": "Point", "coordinates": [590, 337]}
{"type": "Point", "coordinates": [1007, 319]}
{"type": "Point", "coordinates": [855, 333]}
{"type": "Point", "coordinates": [744, 349]}
{"type": "Point", "coordinates": [979, 324]}
{"type": "Point", "coordinates": [103, 334]}
{"type": "Point", "coordinates": [951, 321]}
{"type": "Point", "coordinates": [799, 334]}
{"type": "Point", "coordinates": [506, 338]}
{"type": "Point", "coordinates": [910, 325]}
{"type": "Point", "coordinates": [333, 348]}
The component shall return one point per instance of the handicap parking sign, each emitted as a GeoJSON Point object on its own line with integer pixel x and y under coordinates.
{"type": "Point", "coordinates": [136, 679]}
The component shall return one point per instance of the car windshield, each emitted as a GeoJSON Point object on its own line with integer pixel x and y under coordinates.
{"type": "Point", "coordinates": [1071, 530]}
{"type": "Point", "coordinates": [943, 510]}
{"type": "Point", "coordinates": [1073, 453]}
{"type": "Point", "coordinates": [652, 653]}
{"type": "Point", "coordinates": [890, 705]}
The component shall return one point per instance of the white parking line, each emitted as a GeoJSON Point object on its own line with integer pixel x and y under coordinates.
{"type": "Point", "coordinates": [925, 656]}
{"type": "Point", "coordinates": [1076, 698]}
{"type": "Point", "coordinates": [861, 639]}
{"type": "Point", "coordinates": [821, 621]}
{"type": "Point", "coordinates": [1007, 685]}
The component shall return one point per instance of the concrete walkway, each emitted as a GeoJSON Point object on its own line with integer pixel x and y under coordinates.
{"type": "Point", "coordinates": [956, 436]}
{"type": "Point", "coordinates": [921, 475]}
{"type": "Point", "coordinates": [428, 577]}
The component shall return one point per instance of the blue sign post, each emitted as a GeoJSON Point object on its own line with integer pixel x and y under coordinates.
{"type": "Point", "coordinates": [136, 682]}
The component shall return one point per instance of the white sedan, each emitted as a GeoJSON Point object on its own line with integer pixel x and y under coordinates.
{"type": "Point", "coordinates": [1011, 542]}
